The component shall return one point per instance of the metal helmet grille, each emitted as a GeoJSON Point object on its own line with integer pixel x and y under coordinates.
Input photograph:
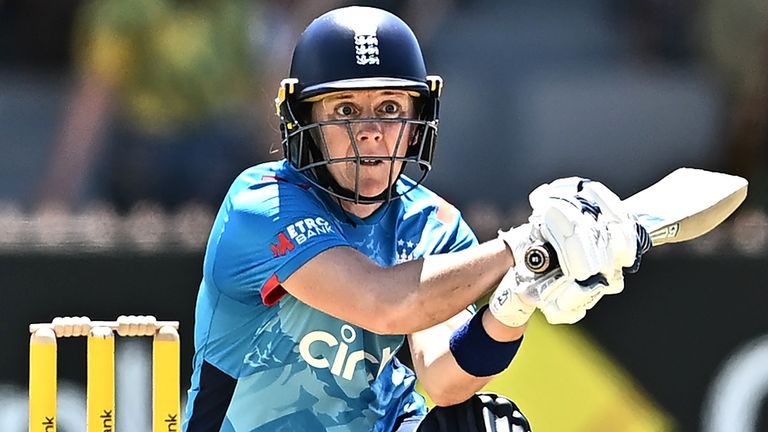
{"type": "Point", "coordinates": [307, 150]}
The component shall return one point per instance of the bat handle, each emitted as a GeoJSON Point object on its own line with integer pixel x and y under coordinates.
{"type": "Point", "coordinates": [540, 258]}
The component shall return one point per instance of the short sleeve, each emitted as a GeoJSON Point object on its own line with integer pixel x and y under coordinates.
{"type": "Point", "coordinates": [454, 234]}
{"type": "Point", "coordinates": [449, 226]}
{"type": "Point", "coordinates": [264, 234]}
{"type": "Point", "coordinates": [460, 237]}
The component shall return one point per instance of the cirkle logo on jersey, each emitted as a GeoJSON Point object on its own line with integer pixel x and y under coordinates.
{"type": "Point", "coordinates": [342, 363]}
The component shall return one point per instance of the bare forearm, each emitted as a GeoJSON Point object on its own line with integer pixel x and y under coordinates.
{"type": "Point", "coordinates": [430, 291]}
{"type": "Point", "coordinates": [443, 379]}
{"type": "Point", "coordinates": [401, 299]}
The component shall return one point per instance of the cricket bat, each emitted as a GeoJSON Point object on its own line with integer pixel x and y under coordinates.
{"type": "Point", "coordinates": [685, 204]}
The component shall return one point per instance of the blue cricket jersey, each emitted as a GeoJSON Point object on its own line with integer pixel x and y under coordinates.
{"type": "Point", "coordinates": [264, 361]}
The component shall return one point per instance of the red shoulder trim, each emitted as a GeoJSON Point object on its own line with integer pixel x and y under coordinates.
{"type": "Point", "coordinates": [272, 291]}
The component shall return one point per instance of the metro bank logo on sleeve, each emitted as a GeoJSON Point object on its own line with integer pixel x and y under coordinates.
{"type": "Point", "coordinates": [298, 233]}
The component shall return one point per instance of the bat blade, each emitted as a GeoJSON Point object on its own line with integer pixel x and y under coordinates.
{"type": "Point", "coordinates": [686, 204]}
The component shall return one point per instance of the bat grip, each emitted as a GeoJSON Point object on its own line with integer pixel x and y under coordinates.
{"type": "Point", "coordinates": [540, 258]}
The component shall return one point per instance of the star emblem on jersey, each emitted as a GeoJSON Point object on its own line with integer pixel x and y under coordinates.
{"type": "Point", "coordinates": [404, 252]}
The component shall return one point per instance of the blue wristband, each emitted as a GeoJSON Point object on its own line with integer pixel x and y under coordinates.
{"type": "Point", "coordinates": [477, 353]}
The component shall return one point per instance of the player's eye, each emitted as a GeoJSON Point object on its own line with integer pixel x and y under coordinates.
{"type": "Point", "coordinates": [390, 108]}
{"type": "Point", "coordinates": [345, 110]}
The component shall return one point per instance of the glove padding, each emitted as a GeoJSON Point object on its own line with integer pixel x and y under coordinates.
{"type": "Point", "coordinates": [577, 240]}
{"type": "Point", "coordinates": [594, 199]}
{"type": "Point", "coordinates": [616, 241]}
{"type": "Point", "coordinates": [508, 302]}
{"type": "Point", "coordinates": [511, 303]}
{"type": "Point", "coordinates": [595, 239]}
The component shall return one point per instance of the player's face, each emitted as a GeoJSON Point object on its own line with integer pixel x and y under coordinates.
{"type": "Point", "coordinates": [373, 139]}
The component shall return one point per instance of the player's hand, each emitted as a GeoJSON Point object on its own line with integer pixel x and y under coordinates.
{"type": "Point", "coordinates": [595, 239]}
{"type": "Point", "coordinates": [509, 304]}
{"type": "Point", "coordinates": [620, 243]}
{"type": "Point", "coordinates": [574, 236]}
{"type": "Point", "coordinates": [605, 206]}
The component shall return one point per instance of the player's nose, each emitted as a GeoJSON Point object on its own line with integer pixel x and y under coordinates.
{"type": "Point", "coordinates": [369, 132]}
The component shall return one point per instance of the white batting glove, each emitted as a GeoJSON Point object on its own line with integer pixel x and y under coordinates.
{"type": "Point", "coordinates": [595, 239]}
{"type": "Point", "coordinates": [594, 199]}
{"type": "Point", "coordinates": [516, 297]}
{"type": "Point", "coordinates": [573, 301]}
{"type": "Point", "coordinates": [572, 234]}
{"type": "Point", "coordinates": [511, 303]}
{"type": "Point", "coordinates": [622, 225]}
{"type": "Point", "coordinates": [615, 242]}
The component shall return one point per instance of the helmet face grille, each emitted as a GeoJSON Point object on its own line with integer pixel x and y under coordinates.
{"type": "Point", "coordinates": [307, 150]}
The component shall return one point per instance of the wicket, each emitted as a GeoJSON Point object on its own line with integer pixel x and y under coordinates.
{"type": "Point", "coordinates": [166, 359]}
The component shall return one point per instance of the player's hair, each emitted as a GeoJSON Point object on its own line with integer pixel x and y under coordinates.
{"type": "Point", "coordinates": [356, 48]}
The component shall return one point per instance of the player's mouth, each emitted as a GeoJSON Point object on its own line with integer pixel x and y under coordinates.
{"type": "Point", "coordinates": [371, 162]}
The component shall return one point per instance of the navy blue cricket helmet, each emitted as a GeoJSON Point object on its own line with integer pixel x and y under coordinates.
{"type": "Point", "coordinates": [356, 48]}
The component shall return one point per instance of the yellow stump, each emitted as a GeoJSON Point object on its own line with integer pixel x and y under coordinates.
{"type": "Point", "coordinates": [42, 381]}
{"type": "Point", "coordinates": [101, 380]}
{"type": "Point", "coordinates": [166, 381]}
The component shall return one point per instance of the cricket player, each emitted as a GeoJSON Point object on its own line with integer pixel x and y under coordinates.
{"type": "Point", "coordinates": [320, 265]}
